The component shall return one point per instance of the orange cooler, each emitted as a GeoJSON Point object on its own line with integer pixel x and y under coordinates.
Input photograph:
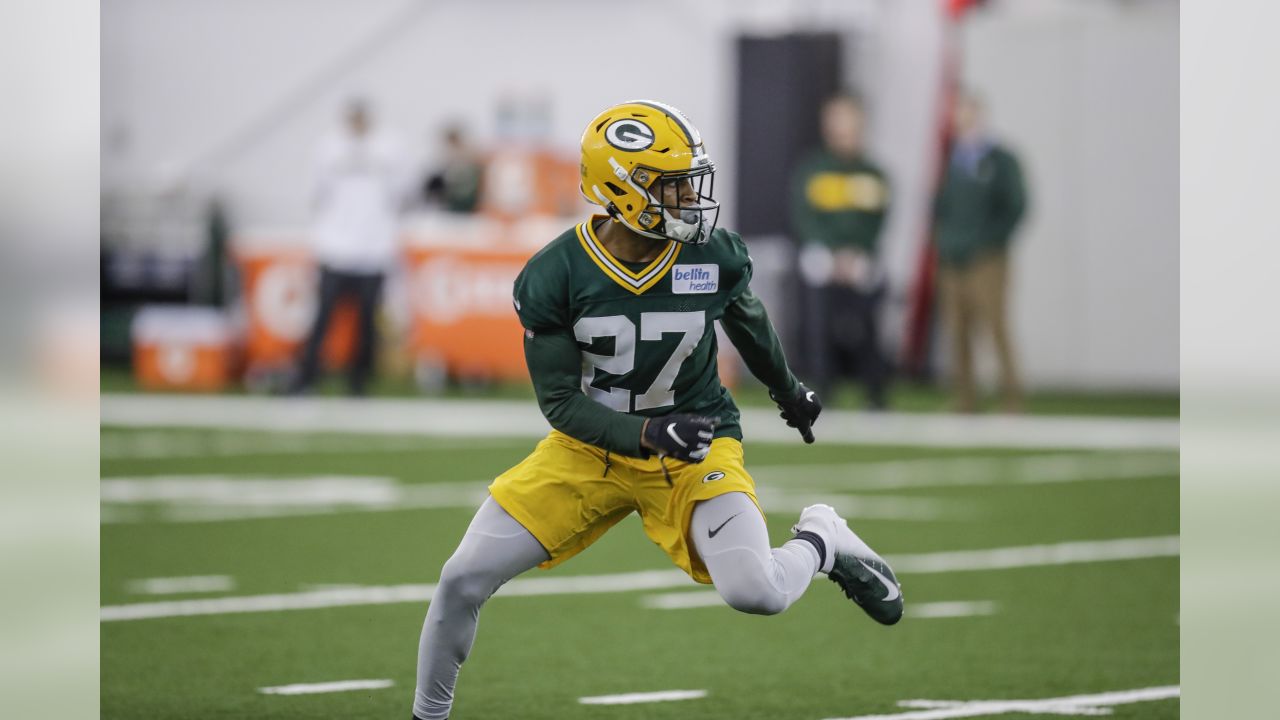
{"type": "Point", "coordinates": [183, 348]}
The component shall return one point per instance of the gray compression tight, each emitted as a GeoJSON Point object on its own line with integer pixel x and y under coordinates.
{"type": "Point", "coordinates": [495, 549]}
{"type": "Point", "coordinates": [728, 531]}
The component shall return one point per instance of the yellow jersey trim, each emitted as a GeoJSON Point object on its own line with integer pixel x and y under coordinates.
{"type": "Point", "coordinates": [635, 281]}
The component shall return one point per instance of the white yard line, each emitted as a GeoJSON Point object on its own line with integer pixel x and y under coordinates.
{"type": "Point", "coordinates": [991, 559]}
{"type": "Point", "coordinates": [180, 585]}
{"type": "Point", "coordinates": [392, 594]}
{"type": "Point", "coordinates": [140, 444]}
{"type": "Point", "coordinates": [970, 471]}
{"type": "Point", "coordinates": [474, 418]}
{"type": "Point", "coordinates": [918, 611]}
{"type": "Point", "coordinates": [326, 687]}
{"type": "Point", "coordinates": [1036, 555]}
{"type": "Point", "coordinates": [644, 697]}
{"type": "Point", "coordinates": [950, 609]}
{"type": "Point", "coordinates": [217, 498]}
{"type": "Point", "coordinates": [683, 600]}
{"type": "Point", "coordinates": [250, 490]}
{"type": "Point", "coordinates": [782, 496]}
{"type": "Point", "coordinates": [1097, 704]}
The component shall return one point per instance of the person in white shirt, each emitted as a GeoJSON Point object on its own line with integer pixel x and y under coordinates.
{"type": "Point", "coordinates": [360, 190]}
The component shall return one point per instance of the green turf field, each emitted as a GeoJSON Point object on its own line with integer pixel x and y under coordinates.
{"type": "Point", "coordinates": [905, 397]}
{"type": "Point", "coordinates": [332, 517]}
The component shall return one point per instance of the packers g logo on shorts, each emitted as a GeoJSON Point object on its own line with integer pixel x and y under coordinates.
{"type": "Point", "coordinates": [712, 476]}
{"type": "Point", "coordinates": [629, 135]}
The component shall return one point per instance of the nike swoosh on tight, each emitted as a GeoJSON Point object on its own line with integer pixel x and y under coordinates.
{"type": "Point", "coordinates": [712, 533]}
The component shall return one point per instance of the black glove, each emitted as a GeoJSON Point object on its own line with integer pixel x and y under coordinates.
{"type": "Point", "coordinates": [800, 411]}
{"type": "Point", "coordinates": [681, 436]}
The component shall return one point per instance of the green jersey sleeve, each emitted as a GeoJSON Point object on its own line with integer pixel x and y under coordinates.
{"type": "Point", "coordinates": [746, 323]}
{"type": "Point", "coordinates": [739, 265]}
{"type": "Point", "coordinates": [541, 298]}
{"type": "Point", "coordinates": [555, 364]}
{"type": "Point", "coordinates": [541, 294]}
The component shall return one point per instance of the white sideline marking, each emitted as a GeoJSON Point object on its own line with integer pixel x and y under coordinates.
{"type": "Point", "coordinates": [918, 611]}
{"type": "Point", "coordinates": [326, 687]}
{"type": "Point", "coordinates": [181, 443]}
{"type": "Point", "coordinates": [178, 585]}
{"type": "Point", "coordinates": [782, 496]}
{"type": "Point", "coordinates": [391, 594]}
{"type": "Point", "coordinates": [249, 490]}
{"type": "Point", "coordinates": [1036, 555]}
{"type": "Point", "coordinates": [215, 498]}
{"type": "Point", "coordinates": [1098, 704]}
{"type": "Point", "coordinates": [683, 600]}
{"type": "Point", "coordinates": [949, 609]}
{"type": "Point", "coordinates": [646, 697]}
{"type": "Point", "coordinates": [997, 558]}
{"type": "Point", "coordinates": [971, 471]}
{"type": "Point", "coordinates": [476, 418]}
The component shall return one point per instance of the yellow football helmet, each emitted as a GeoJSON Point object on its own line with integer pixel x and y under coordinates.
{"type": "Point", "coordinates": [642, 161]}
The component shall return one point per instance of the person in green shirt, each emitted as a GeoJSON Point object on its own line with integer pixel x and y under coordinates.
{"type": "Point", "coordinates": [455, 185]}
{"type": "Point", "coordinates": [618, 315]}
{"type": "Point", "coordinates": [980, 204]}
{"type": "Point", "coordinates": [838, 207]}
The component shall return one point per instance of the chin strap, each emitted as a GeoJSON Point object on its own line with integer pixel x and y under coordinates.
{"type": "Point", "coordinates": [616, 215]}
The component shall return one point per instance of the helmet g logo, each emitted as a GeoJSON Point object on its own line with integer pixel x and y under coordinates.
{"type": "Point", "coordinates": [629, 135]}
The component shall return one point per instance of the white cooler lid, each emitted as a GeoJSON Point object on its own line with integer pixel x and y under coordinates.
{"type": "Point", "coordinates": [166, 324]}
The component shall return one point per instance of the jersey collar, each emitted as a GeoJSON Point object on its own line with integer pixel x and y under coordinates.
{"type": "Point", "coordinates": [635, 281]}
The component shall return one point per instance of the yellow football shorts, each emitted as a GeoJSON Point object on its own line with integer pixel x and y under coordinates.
{"type": "Point", "coordinates": [568, 494]}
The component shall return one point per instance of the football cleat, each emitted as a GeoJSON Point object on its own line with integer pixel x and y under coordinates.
{"type": "Point", "coordinates": [863, 575]}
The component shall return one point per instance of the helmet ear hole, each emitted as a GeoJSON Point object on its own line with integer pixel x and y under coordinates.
{"type": "Point", "coordinates": [615, 190]}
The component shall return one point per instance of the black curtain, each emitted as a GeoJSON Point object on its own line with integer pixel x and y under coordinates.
{"type": "Point", "coordinates": [782, 82]}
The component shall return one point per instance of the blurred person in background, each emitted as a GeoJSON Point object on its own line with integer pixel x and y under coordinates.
{"type": "Point", "coordinates": [455, 184]}
{"type": "Point", "coordinates": [358, 196]}
{"type": "Point", "coordinates": [839, 201]}
{"type": "Point", "coordinates": [980, 203]}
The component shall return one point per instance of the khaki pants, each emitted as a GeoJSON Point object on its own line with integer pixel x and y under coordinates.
{"type": "Point", "coordinates": [973, 300]}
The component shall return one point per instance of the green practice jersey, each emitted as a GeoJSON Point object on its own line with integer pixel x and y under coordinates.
{"type": "Point", "coordinates": [839, 202]}
{"type": "Point", "coordinates": [610, 343]}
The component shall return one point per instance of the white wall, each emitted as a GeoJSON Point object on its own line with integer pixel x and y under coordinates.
{"type": "Point", "coordinates": [1087, 93]}
{"type": "Point", "coordinates": [1085, 90]}
{"type": "Point", "coordinates": [183, 78]}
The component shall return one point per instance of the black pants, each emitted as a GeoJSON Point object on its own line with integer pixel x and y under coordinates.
{"type": "Point", "coordinates": [842, 340]}
{"type": "Point", "coordinates": [365, 290]}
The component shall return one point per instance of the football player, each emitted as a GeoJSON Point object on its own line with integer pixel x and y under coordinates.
{"type": "Point", "coordinates": [618, 315]}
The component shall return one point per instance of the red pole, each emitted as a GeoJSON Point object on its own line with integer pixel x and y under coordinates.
{"type": "Point", "coordinates": [923, 289]}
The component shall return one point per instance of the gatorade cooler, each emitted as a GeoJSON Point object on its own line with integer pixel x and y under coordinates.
{"type": "Point", "coordinates": [183, 348]}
